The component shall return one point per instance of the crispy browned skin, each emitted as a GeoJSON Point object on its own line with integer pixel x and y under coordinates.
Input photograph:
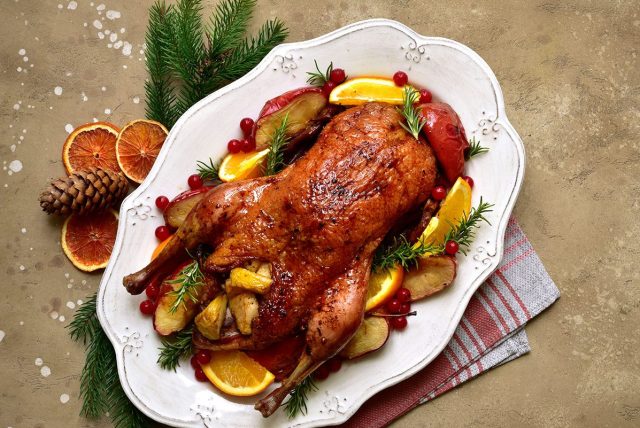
{"type": "Point", "coordinates": [318, 223]}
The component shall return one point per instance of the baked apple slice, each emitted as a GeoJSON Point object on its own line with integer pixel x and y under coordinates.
{"type": "Point", "coordinates": [432, 275]}
{"type": "Point", "coordinates": [181, 205]}
{"type": "Point", "coordinates": [370, 336]}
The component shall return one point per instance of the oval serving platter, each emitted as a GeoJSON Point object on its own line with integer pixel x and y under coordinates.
{"type": "Point", "coordinates": [455, 74]}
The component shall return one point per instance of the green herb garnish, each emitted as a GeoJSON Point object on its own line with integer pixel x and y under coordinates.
{"type": "Point", "coordinates": [412, 116]}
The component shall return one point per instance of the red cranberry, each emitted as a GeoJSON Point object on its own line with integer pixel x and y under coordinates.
{"type": "Point", "coordinates": [403, 295]}
{"type": "Point", "coordinates": [203, 356]}
{"type": "Point", "coordinates": [248, 144]}
{"type": "Point", "coordinates": [405, 308]}
{"type": "Point", "coordinates": [439, 193]}
{"type": "Point", "coordinates": [194, 181]}
{"type": "Point", "coordinates": [194, 362]}
{"type": "Point", "coordinates": [400, 78]}
{"type": "Point", "coordinates": [246, 125]}
{"type": "Point", "coordinates": [321, 372]}
{"type": "Point", "coordinates": [147, 307]}
{"type": "Point", "coordinates": [334, 364]}
{"type": "Point", "coordinates": [469, 180]}
{"type": "Point", "coordinates": [393, 306]}
{"type": "Point", "coordinates": [399, 323]}
{"type": "Point", "coordinates": [162, 202]}
{"type": "Point", "coordinates": [200, 375]}
{"type": "Point", "coordinates": [162, 232]}
{"type": "Point", "coordinates": [425, 96]}
{"type": "Point", "coordinates": [337, 76]}
{"type": "Point", "coordinates": [451, 247]}
{"type": "Point", "coordinates": [234, 146]}
{"type": "Point", "coordinates": [327, 88]}
{"type": "Point", "coordinates": [152, 291]}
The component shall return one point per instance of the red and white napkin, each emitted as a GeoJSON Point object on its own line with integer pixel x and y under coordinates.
{"type": "Point", "coordinates": [490, 333]}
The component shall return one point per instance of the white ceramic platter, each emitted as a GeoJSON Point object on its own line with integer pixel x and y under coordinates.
{"type": "Point", "coordinates": [456, 75]}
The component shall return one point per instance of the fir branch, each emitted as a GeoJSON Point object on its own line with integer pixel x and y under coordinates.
{"type": "Point", "coordinates": [122, 412]}
{"type": "Point", "coordinates": [279, 141]}
{"type": "Point", "coordinates": [297, 401]}
{"type": "Point", "coordinates": [318, 78]}
{"type": "Point", "coordinates": [475, 149]}
{"type": "Point", "coordinates": [412, 115]}
{"type": "Point", "coordinates": [85, 322]}
{"type": "Point", "coordinates": [174, 350]}
{"type": "Point", "coordinates": [189, 280]}
{"type": "Point", "coordinates": [209, 171]}
{"type": "Point", "coordinates": [464, 232]}
{"type": "Point", "coordinates": [95, 373]}
{"type": "Point", "coordinates": [228, 25]}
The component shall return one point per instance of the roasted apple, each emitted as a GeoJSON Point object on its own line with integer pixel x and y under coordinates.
{"type": "Point", "coordinates": [244, 308]}
{"type": "Point", "coordinates": [241, 278]}
{"type": "Point", "coordinates": [181, 205]}
{"type": "Point", "coordinates": [432, 275]}
{"type": "Point", "coordinates": [210, 320]}
{"type": "Point", "coordinates": [370, 336]}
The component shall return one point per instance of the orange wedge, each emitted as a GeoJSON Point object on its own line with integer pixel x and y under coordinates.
{"type": "Point", "coordinates": [88, 240]}
{"type": "Point", "coordinates": [159, 248]}
{"type": "Point", "coordinates": [138, 146]}
{"type": "Point", "coordinates": [382, 285]}
{"type": "Point", "coordinates": [361, 90]}
{"type": "Point", "coordinates": [238, 166]}
{"type": "Point", "coordinates": [91, 146]}
{"type": "Point", "coordinates": [456, 205]}
{"type": "Point", "coordinates": [234, 373]}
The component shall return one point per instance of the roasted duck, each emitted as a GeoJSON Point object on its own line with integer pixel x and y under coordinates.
{"type": "Point", "coordinates": [317, 223]}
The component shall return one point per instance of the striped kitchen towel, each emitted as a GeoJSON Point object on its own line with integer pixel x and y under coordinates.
{"type": "Point", "coordinates": [490, 333]}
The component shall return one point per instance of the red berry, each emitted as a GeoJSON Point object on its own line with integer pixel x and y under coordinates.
{"type": "Point", "coordinates": [147, 307]}
{"type": "Point", "coordinates": [152, 291]}
{"type": "Point", "coordinates": [399, 323]}
{"type": "Point", "coordinates": [162, 202]}
{"type": "Point", "coordinates": [468, 180]}
{"type": "Point", "coordinates": [425, 96]}
{"type": "Point", "coordinates": [321, 372]}
{"type": "Point", "coordinates": [400, 78]}
{"type": "Point", "coordinates": [451, 248]}
{"type": "Point", "coordinates": [194, 181]}
{"type": "Point", "coordinates": [334, 364]}
{"type": "Point", "coordinates": [248, 144]}
{"type": "Point", "coordinates": [405, 308]}
{"type": "Point", "coordinates": [327, 88]}
{"type": "Point", "coordinates": [246, 125]}
{"type": "Point", "coordinates": [439, 193]}
{"type": "Point", "coordinates": [337, 76]}
{"type": "Point", "coordinates": [203, 357]}
{"type": "Point", "coordinates": [200, 375]}
{"type": "Point", "coordinates": [393, 306]}
{"type": "Point", "coordinates": [403, 295]}
{"type": "Point", "coordinates": [234, 146]}
{"type": "Point", "coordinates": [194, 362]}
{"type": "Point", "coordinates": [162, 232]}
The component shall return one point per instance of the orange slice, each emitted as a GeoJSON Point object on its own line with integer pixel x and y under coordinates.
{"type": "Point", "coordinates": [159, 248]}
{"type": "Point", "coordinates": [138, 146]}
{"type": "Point", "coordinates": [88, 240]}
{"type": "Point", "coordinates": [361, 90]}
{"type": "Point", "coordinates": [92, 145]}
{"type": "Point", "coordinates": [238, 166]}
{"type": "Point", "coordinates": [453, 208]}
{"type": "Point", "coordinates": [234, 373]}
{"type": "Point", "coordinates": [382, 285]}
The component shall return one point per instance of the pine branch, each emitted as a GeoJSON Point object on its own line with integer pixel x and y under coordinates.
{"type": "Point", "coordinates": [318, 77]}
{"type": "Point", "coordinates": [297, 401]}
{"type": "Point", "coordinates": [85, 322]}
{"type": "Point", "coordinates": [96, 370]}
{"type": "Point", "coordinates": [279, 141]}
{"type": "Point", "coordinates": [189, 280]}
{"type": "Point", "coordinates": [209, 171]}
{"type": "Point", "coordinates": [228, 25]}
{"type": "Point", "coordinates": [174, 350]}
{"type": "Point", "coordinates": [413, 118]}
{"type": "Point", "coordinates": [475, 149]}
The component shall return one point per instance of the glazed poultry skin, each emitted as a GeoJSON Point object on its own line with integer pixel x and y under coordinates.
{"type": "Point", "coordinates": [318, 223]}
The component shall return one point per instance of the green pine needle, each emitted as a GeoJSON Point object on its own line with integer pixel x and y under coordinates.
{"type": "Point", "coordinates": [297, 401]}
{"type": "Point", "coordinates": [190, 279]}
{"type": "Point", "coordinates": [123, 413]}
{"type": "Point", "coordinates": [85, 322]}
{"type": "Point", "coordinates": [279, 141]}
{"type": "Point", "coordinates": [228, 24]}
{"type": "Point", "coordinates": [173, 350]}
{"type": "Point", "coordinates": [319, 78]}
{"type": "Point", "coordinates": [475, 149]}
{"type": "Point", "coordinates": [95, 374]}
{"type": "Point", "coordinates": [209, 171]}
{"type": "Point", "coordinates": [412, 116]}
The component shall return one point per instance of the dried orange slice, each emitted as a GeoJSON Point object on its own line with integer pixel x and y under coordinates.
{"type": "Point", "coordinates": [235, 373]}
{"type": "Point", "coordinates": [362, 90]}
{"type": "Point", "coordinates": [92, 145]}
{"type": "Point", "coordinates": [138, 146]}
{"type": "Point", "coordinates": [382, 285]}
{"type": "Point", "coordinates": [238, 166]}
{"type": "Point", "coordinates": [88, 240]}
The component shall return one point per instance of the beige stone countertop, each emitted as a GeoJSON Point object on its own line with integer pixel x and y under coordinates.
{"type": "Point", "coordinates": [569, 72]}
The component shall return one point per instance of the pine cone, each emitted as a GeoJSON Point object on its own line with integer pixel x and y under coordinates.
{"type": "Point", "coordinates": [84, 191]}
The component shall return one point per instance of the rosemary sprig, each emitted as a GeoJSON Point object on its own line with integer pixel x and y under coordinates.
{"type": "Point", "coordinates": [475, 148]}
{"type": "Point", "coordinates": [190, 279]}
{"type": "Point", "coordinates": [279, 141]}
{"type": "Point", "coordinates": [174, 350]}
{"type": "Point", "coordinates": [411, 114]}
{"type": "Point", "coordinates": [297, 401]}
{"type": "Point", "coordinates": [209, 171]}
{"type": "Point", "coordinates": [319, 78]}
{"type": "Point", "coordinates": [464, 232]}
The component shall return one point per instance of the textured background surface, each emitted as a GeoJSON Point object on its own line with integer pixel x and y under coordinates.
{"type": "Point", "coordinates": [572, 89]}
